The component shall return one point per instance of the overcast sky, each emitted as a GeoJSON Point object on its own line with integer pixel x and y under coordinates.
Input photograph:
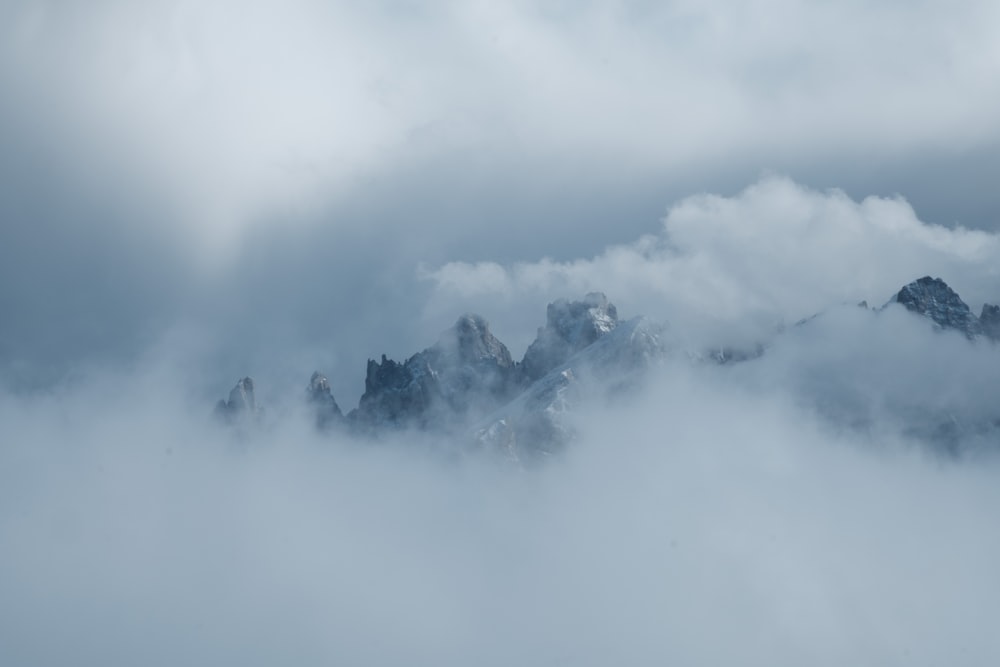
{"type": "Point", "coordinates": [273, 180]}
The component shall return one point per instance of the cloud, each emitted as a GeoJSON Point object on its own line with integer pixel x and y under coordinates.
{"type": "Point", "coordinates": [240, 111]}
{"type": "Point", "coordinates": [732, 266]}
{"type": "Point", "coordinates": [191, 192]}
{"type": "Point", "coordinates": [179, 162]}
{"type": "Point", "coordinates": [135, 530]}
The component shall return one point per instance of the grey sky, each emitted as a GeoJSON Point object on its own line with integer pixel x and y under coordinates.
{"type": "Point", "coordinates": [276, 175]}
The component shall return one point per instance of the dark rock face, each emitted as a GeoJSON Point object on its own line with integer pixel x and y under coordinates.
{"type": "Point", "coordinates": [321, 401]}
{"type": "Point", "coordinates": [931, 297]}
{"type": "Point", "coordinates": [989, 320]}
{"type": "Point", "coordinates": [242, 402]}
{"type": "Point", "coordinates": [467, 369]}
{"type": "Point", "coordinates": [396, 393]}
{"type": "Point", "coordinates": [468, 373]}
{"type": "Point", "coordinates": [570, 326]}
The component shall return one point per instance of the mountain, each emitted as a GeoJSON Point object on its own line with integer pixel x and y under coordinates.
{"type": "Point", "coordinates": [989, 321]}
{"type": "Point", "coordinates": [468, 385]}
{"type": "Point", "coordinates": [538, 421]}
{"type": "Point", "coordinates": [863, 372]}
{"type": "Point", "coordinates": [242, 403]}
{"type": "Point", "coordinates": [570, 327]}
{"type": "Point", "coordinates": [932, 298]}
{"type": "Point", "coordinates": [468, 374]}
{"type": "Point", "coordinates": [466, 371]}
{"type": "Point", "coordinates": [320, 399]}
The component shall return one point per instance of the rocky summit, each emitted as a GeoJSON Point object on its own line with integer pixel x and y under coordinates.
{"type": "Point", "coordinates": [242, 402]}
{"type": "Point", "coordinates": [467, 369]}
{"type": "Point", "coordinates": [320, 399]}
{"type": "Point", "coordinates": [570, 326]}
{"type": "Point", "coordinates": [932, 298]}
{"type": "Point", "coordinates": [989, 321]}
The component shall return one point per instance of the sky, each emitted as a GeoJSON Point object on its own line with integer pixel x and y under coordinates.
{"type": "Point", "coordinates": [192, 192]}
{"type": "Point", "coordinates": [279, 177]}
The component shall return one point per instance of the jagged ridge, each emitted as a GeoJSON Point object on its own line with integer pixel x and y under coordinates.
{"type": "Point", "coordinates": [468, 376]}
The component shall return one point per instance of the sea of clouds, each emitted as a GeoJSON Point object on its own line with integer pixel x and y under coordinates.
{"type": "Point", "coordinates": [777, 511]}
{"type": "Point", "coordinates": [193, 192]}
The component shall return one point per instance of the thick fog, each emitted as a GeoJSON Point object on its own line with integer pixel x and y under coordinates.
{"type": "Point", "coordinates": [718, 515]}
{"type": "Point", "coordinates": [793, 508]}
{"type": "Point", "coordinates": [191, 193]}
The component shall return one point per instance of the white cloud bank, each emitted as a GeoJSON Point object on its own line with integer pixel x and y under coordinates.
{"type": "Point", "coordinates": [724, 268]}
{"type": "Point", "coordinates": [701, 523]}
{"type": "Point", "coordinates": [782, 511]}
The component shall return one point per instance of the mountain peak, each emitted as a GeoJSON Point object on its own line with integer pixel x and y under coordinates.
{"type": "Point", "coordinates": [242, 401]}
{"type": "Point", "coordinates": [470, 341]}
{"type": "Point", "coordinates": [584, 320]}
{"type": "Point", "coordinates": [933, 298]}
{"type": "Point", "coordinates": [242, 396]}
{"type": "Point", "coordinates": [466, 367]}
{"type": "Point", "coordinates": [989, 320]}
{"type": "Point", "coordinates": [321, 401]}
{"type": "Point", "coordinates": [570, 326]}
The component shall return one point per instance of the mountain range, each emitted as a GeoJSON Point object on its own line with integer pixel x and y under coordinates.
{"type": "Point", "coordinates": [468, 384]}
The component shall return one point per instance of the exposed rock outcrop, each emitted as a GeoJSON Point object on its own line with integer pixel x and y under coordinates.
{"type": "Point", "coordinates": [989, 320]}
{"type": "Point", "coordinates": [242, 402]}
{"type": "Point", "coordinates": [395, 393]}
{"type": "Point", "coordinates": [320, 399]}
{"type": "Point", "coordinates": [467, 370]}
{"type": "Point", "coordinates": [537, 423]}
{"type": "Point", "coordinates": [932, 298]}
{"type": "Point", "coordinates": [570, 326]}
